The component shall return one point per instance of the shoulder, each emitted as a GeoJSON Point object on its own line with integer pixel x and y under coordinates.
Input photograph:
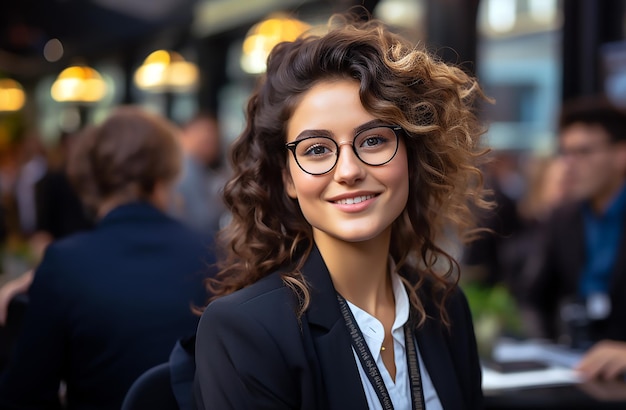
{"type": "Point", "coordinates": [260, 299]}
{"type": "Point", "coordinates": [64, 252]}
{"type": "Point", "coordinates": [456, 304]}
{"type": "Point", "coordinates": [248, 349]}
{"type": "Point", "coordinates": [264, 314]}
{"type": "Point", "coordinates": [70, 243]}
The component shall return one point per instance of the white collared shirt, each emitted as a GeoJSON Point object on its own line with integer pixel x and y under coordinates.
{"type": "Point", "coordinates": [374, 334]}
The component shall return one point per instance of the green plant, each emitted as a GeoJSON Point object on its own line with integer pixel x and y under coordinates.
{"type": "Point", "coordinates": [494, 313]}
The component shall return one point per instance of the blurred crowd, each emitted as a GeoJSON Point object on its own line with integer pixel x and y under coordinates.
{"type": "Point", "coordinates": [555, 240]}
{"type": "Point", "coordinates": [138, 191]}
{"type": "Point", "coordinates": [112, 230]}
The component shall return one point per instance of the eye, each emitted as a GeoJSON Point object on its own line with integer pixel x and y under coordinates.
{"type": "Point", "coordinates": [316, 147]}
{"type": "Point", "coordinates": [317, 150]}
{"type": "Point", "coordinates": [372, 141]}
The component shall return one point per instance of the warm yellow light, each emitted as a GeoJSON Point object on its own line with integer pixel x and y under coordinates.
{"type": "Point", "coordinates": [12, 97]}
{"type": "Point", "coordinates": [183, 74]}
{"type": "Point", "coordinates": [159, 57]}
{"type": "Point", "coordinates": [78, 84]}
{"type": "Point", "coordinates": [166, 71]}
{"type": "Point", "coordinates": [262, 38]}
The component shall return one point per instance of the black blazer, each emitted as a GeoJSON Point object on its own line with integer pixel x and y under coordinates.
{"type": "Point", "coordinates": [105, 306]}
{"type": "Point", "coordinates": [562, 257]}
{"type": "Point", "coordinates": [253, 353]}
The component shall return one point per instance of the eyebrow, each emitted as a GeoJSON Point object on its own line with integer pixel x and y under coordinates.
{"type": "Point", "coordinates": [326, 133]}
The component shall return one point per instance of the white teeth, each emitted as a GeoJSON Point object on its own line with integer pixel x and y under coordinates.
{"type": "Point", "coordinates": [355, 200]}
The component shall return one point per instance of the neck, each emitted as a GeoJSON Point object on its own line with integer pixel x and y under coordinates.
{"type": "Point", "coordinates": [359, 271]}
{"type": "Point", "coordinates": [159, 198]}
{"type": "Point", "coordinates": [108, 205]}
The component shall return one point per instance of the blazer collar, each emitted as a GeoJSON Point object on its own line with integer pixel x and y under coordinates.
{"type": "Point", "coordinates": [339, 371]}
{"type": "Point", "coordinates": [339, 375]}
{"type": "Point", "coordinates": [323, 309]}
{"type": "Point", "coordinates": [435, 352]}
{"type": "Point", "coordinates": [139, 210]}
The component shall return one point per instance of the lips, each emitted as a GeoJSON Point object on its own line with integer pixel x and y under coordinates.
{"type": "Point", "coordinates": [353, 200]}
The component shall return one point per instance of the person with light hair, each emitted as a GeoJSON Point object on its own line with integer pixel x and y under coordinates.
{"type": "Point", "coordinates": [107, 304]}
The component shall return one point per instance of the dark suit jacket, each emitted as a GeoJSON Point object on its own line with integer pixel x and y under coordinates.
{"type": "Point", "coordinates": [253, 353]}
{"type": "Point", "coordinates": [563, 255]}
{"type": "Point", "coordinates": [105, 306]}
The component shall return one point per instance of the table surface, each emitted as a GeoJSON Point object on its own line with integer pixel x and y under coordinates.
{"type": "Point", "coordinates": [569, 393]}
{"type": "Point", "coordinates": [590, 395]}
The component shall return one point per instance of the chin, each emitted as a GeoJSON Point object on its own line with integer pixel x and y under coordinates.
{"type": "Point", "coordinates": [357, 236]}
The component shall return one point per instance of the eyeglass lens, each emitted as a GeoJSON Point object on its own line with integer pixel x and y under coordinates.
{"type": "Point", "coordinates": [318, 155]}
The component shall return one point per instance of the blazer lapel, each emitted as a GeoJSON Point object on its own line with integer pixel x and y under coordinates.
{"type": "Point", "coordinates": [339, 375]}
{"type": "Point", "coordinates": [433, 348]}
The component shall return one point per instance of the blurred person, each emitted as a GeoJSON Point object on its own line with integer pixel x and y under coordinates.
{"type": "Point", "coordinates": [605, 360]}
{"type": "Point", "coordinates": [13, 301]}
{"type": "Point", "coordinates": [546, 188]}
{"type": "Point", "coordinates": [9, 290]}
{"type": "Point", "coordinates": [32, 167]}
{"type": "Point", "coordinates": [199, 201]}
{"type": "Point", "coordinates": [8, 171]}
{"type": "Point", "coordinates": [483, 259]}
{"type": "Point", "coordinates": [359, 149]}
{"type": "Point", "coordinates": [107, 304]}
{"type": "Point", "coordinates": [578, 290]}
{"type": "Point", "coordinates": [60, 211]}
{"type": "Point", "coordinates": [545, 191]}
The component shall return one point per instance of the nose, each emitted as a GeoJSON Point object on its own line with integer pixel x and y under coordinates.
{"type": "Point", "coordinates": [349, 168]}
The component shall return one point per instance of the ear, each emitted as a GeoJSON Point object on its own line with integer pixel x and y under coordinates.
{"type": "Point", "coordinates": [290, 188]}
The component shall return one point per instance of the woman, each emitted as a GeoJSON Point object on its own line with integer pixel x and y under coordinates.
{"type": "Point", "coordinates": [108, 304]}
{"type": "Point", "coordinates": [359, 149]}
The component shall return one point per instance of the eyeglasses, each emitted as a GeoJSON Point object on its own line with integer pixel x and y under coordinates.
{"type": "Point", "coordinates": [584, 151]}
{"type": "Point", "coordinates": [318, 155]}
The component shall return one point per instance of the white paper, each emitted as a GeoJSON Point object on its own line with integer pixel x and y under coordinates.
{"type": "Point", "coordinates": [560, 360]}
{"type": "Point", "coordinates": [552, 376]}
{"type": "Point", "coordinates": [536, 350]}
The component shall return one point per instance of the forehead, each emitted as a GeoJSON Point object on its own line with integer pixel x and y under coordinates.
{"type": "Point", "coordinates": [329, 105]}
{"type": "Point", "coordinates": [584, 134]}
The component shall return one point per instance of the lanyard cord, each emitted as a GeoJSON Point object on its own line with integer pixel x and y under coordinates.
{"type": "Point", "coordinates": [369, 364]}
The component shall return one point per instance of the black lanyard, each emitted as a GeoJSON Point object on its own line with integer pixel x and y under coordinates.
{"type": "Point", "coordinates": [369, 364]}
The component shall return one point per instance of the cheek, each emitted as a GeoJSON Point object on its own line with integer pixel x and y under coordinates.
{"type": "Point", "coordinates": [302, 186]}
{"type": "Point", "coordinates": [601, 168]}
{"type": "Point", "coordinates": [398, 177]}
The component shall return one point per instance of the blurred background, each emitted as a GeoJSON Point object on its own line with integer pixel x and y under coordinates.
{"type": "Point", "coordinates": [528, 54]}
{"type": "Point", "coordinates": [65, 64]}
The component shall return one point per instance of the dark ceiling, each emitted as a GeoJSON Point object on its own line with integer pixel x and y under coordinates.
{"type": "Point", "coordinates": [91, 30]}
{"type": "Point", "coordinates": [86, 28]}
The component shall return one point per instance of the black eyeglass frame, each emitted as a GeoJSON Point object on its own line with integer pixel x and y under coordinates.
{"type": "Point", "coordinates": [291, 146]}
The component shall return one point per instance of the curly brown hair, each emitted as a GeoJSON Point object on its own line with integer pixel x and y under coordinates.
{"type": "Point", "coordinates": [400, 84]}
{"type": "Point", "coordinates": [124, 157]}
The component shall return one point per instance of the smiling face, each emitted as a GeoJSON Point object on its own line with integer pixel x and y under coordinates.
{"type": "Point", "coordinates": [594, 166]}
{"type": "Point", "coordinates": [354, 201]}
